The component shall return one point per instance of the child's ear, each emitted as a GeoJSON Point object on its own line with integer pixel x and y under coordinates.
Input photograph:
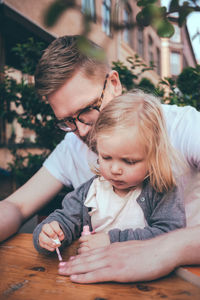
{"type": "Point", "coordinates": [115, 86]}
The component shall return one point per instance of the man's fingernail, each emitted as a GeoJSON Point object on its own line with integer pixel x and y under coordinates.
{"type": "Point", "coordinates": [62, 264]}
{"type": "Point", "coordinates": [71, 257]}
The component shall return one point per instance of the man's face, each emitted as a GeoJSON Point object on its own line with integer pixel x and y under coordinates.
{"type": "Point", "coordinates": [80, 92]}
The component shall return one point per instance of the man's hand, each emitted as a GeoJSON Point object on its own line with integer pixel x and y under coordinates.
{"type": "Point", "coordinates": [93, 241]}
{"type": "Point", "coordinates": [130, 261]}
{"type": "Point", "coordinates": [49, 233]}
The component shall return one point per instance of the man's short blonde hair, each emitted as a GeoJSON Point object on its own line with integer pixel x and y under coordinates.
{"type": "Point", "coordinates": [63, 58]}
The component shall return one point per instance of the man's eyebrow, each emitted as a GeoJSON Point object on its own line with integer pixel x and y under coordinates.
{"type": "Point", "coordinates": [91, 103]}
{"type": "Point", "coordinates": [80, 109]}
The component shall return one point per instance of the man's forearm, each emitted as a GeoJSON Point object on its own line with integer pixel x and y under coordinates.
{"type": "Point", "coordinates": [188, 240]}
{"type": "Point", "coordinates": [10, 219]}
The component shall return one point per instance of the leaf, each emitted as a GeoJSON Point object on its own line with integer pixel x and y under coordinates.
{"type": "Point", "coordinates": [145, 2]}
{"type": "Point", "coordinates": [141, 20]}
{"type": "Point", "coordinates": [184, 11]}
{"type": "Point", "coordinates": [174, 5]}
{"type": "Point", "coordinates": [87, 49]}
{"type": "Point", "coordinates": [164, 28]}
{"type": "Point", "coordinates": [55, 10]}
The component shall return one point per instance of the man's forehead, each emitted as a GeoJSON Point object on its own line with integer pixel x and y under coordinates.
{"type": "Point", "coordinates": [65, 105]}
{"type": "Point", "coordinates": [74, 95]}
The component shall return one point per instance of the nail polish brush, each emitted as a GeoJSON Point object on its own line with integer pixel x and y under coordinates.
{"type": "Point", "coordinates": [57, 242]}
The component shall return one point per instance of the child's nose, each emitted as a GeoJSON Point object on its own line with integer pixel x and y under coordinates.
{"type": "Point", "coordinates": [116, 169]}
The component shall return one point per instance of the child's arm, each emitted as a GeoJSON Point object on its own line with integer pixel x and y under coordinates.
{"type": "Point", "coordinates": [70, 218]}
{"type": "Point", "coordinates": [163, 213]}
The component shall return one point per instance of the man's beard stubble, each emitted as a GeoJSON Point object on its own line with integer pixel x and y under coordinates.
{"type": "Point", "coordinates": [87, 140]}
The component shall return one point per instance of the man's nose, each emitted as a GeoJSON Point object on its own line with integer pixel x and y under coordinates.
{"type": "Point", "coordinates": [82, 129]}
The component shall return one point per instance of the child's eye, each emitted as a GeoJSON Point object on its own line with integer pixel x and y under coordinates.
{"type": "Point", "coordinates": [130, 162]}
{"type": "Point", "coordinates": [106, 157]}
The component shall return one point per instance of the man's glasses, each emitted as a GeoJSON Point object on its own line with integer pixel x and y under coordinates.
{"type": "Point", "coordinates": [86, 116]}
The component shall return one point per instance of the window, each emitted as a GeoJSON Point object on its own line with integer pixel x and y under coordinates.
{"type": "Point", "coordinates": [140, 41]}
{"type": "Point", "coordinates": [150, 50]}
{"type": "Point", "coordinates": [158, 59]}
{"type": "Point", "coordinates": [127, 17]}
{"type": "Point", "coordinates": [175, 63]}
{"type": "Point", "coordinates": [176, 37]}
{"type": "Point", "coordinates": [88, 8]}
{"type": "Point", "coordinates": [106, 16]}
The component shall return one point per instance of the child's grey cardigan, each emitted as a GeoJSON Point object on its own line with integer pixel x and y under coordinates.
{"type": "Point", "coordinates": [163, 212]}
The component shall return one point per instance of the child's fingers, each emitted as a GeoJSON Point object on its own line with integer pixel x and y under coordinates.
{"type": "Point", "coordinates": [50, 236]}
{"type": "Point", "coordinates": [48, 230]}
{"type": "Point", "coordinates": [46, 242]}
{"type": "Point", "coordinates": [56, 228]}
{"type": "Point", "coordinates": [83, 249]}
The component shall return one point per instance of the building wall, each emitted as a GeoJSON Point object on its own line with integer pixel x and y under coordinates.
{"type": "Point", "coordinates": [71, 20]}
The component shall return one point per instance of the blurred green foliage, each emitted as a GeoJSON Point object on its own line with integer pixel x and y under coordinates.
{"type": "Point", "coordinates": [33, 113]}
{"type": "Point", "coordinates": [183, 90]}
{"type": "Point", "coordinates": [151, 13]}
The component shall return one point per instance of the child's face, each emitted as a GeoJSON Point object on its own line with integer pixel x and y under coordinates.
{"type": "Point", "coordinates": [122, 160]}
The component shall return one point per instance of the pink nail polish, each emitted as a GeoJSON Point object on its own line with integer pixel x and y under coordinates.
{"type": "Point", "coordinates": [71, 257]}
{"type": "Point", "coordinates": [62, 264]}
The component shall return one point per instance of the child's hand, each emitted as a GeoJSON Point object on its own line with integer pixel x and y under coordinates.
{"type": "Point", "coordinates": [92, 241]}
{"type": "Point", "coordinates": [50, 232]}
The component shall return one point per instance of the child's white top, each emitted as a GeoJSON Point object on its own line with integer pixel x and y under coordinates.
{"type": "Point", "coordinates": [110, 211]}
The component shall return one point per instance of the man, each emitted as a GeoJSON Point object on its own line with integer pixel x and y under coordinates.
{"type": "Point", "coordinates": [77, 86]}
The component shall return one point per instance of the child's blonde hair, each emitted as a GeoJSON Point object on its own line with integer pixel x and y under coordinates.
{"type": "Point", "coordinates": [144, 111]}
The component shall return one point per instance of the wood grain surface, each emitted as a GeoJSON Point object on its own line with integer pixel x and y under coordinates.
{"type": "Point", "coordinates": [27, 275]}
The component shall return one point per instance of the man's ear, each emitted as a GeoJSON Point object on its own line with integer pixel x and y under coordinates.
{"type": "Point", "coordinates": [115, 86]}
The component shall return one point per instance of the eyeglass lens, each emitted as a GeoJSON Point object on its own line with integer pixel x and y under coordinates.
{"type": "Point", "coordinates": [89, 116]}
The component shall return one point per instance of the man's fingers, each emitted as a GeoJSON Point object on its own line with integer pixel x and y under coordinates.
{"type": "Point", "coordinates": [83, 266]}
{"type": "Point", "coordinates": [99, 275]}
{"type": "Point", "coordinates": [84, 238]}
{"type": "Point", "coordinates": [90, 253]}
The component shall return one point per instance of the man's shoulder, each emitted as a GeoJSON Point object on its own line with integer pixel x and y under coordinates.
{"type": "Point", "coordinates": [173, 108]}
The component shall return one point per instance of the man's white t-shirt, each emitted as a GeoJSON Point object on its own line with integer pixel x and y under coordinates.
{"type": "Point", "coordinates": [71, 160]}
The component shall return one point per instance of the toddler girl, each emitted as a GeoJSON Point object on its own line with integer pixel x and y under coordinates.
{"type": "Point", "coordinates": [134, 195]}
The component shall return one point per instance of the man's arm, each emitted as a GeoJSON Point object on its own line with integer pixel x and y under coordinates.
{"type": "Point", "coordinates": [26, 201]}
{"type": "Point", "coordinates": [136, 260]}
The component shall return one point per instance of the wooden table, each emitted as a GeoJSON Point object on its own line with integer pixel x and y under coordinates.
{"type": "Point", "coordinates": [27, 275]}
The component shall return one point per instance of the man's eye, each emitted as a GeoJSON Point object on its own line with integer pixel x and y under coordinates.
{"type": "Point", "coordinates": [69, 120]}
